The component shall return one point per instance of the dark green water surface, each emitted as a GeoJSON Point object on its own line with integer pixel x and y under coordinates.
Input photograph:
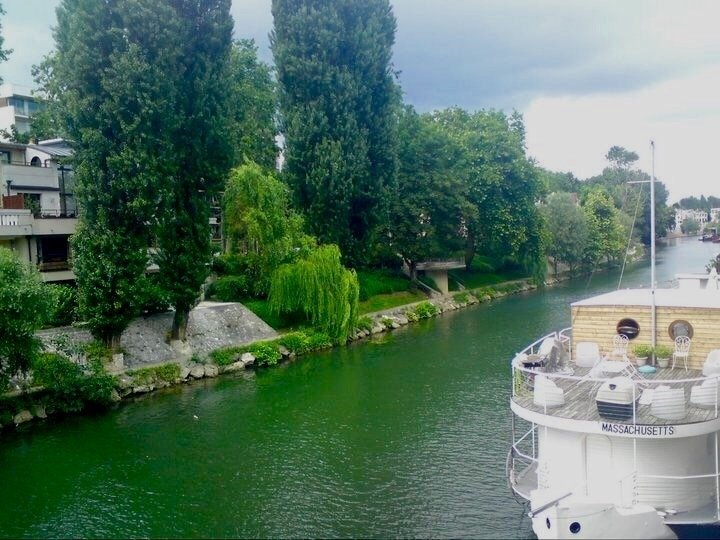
{"type": "Point", "coordinates": [404, 436]}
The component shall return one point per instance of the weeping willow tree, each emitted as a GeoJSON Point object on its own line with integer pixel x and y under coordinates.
{"type": "Point", "coordinates": [320, 287]}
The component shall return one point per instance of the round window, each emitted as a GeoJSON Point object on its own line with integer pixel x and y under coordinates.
{"type": "Point", "coordinates": [628, 328]}
{"type": "Point", "coordinates": [680, 328]}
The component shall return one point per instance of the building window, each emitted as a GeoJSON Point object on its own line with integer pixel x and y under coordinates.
{"type": "Point", "coordinates": [35, 162]}
{"type": "Point", "coordinates": [680, 328]}
{"type": "Point", "coordinates": [628, 328]}
{"type": "Point", "coordinates": [4, 156]}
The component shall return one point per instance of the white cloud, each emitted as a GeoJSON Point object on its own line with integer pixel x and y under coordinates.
{"type": "Point", "coordinates": [681, 115]}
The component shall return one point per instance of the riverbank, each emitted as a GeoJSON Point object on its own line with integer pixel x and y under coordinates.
{"type": "Point", "coordinates": [174, 363]}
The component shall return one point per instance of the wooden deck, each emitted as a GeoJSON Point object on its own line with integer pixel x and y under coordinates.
{"type": "Point", "coordinates": [580, 396]}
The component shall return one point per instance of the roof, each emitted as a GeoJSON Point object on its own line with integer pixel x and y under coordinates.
{"type": "Point", "coordinates": [692, 298]}
{"type": "Point", "coordinates": [52, 150]}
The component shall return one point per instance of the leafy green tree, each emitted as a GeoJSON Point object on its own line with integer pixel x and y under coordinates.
{"type": "Point", "coordinates": [111, 69]}
{"type": "Point", "coordinates": [321, 288]}
{"type": "Point", "coordinates": [260, 225]}
{"type": "Point", "coordinates": [430, 207]}
{"type": "Point", "coordinates": [23, 309]}
{"type": "Point", "coordinates": [621, 158]}
{"type": "Point", "coordinates": [567, 231]}
{"type": "Point", "coordinates": [606, 234]}
{"type": "Point", "coordinates": [556, 182]}
{"type": "Point", "coordinates": [253, 105]}
{"type": "Point", "coordinates": [503, 186]}
{"type": "Point", "coordinates": [201, 151]}
{"type": "Point", "coordinates": [338, 100]}
{"type": "Point", "coordinates": [690, 226]}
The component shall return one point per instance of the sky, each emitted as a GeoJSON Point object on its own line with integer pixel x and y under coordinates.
{"type": "Point", "coordinates": [587, 75]}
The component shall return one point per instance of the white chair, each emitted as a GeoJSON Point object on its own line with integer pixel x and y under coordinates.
{"type": "Point", "coordinates": [587, 354]}
{"type": "Point", "coordinates": [705, 394]}
{"type": "Point", "coordinates": [668, 403]}
{"type": "Point", "coordinates": [712, 363]}
{"type": "Point", "coordinates": [547, 394]}
{"type": "Point", "coordinates": [620, 346]}
{"type": "Point", "coordinates": [682, 350]}
{"type": "Point", "coordinates": [546, 346]}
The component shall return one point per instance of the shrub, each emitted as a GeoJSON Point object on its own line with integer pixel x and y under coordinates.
{"type": "Point", "coordinates": [365, 323]}
{"type": "Point", "coordinates": [296, 342]}
{"type": "Point", "coordinates": [318, 341]}
{"type": "Point", "coordinates": [227, 356]}
{"type": "Point", "coordinates": [153, 298]}
{"type": "Point", "coordinates": [425, 310]}
{"type": "Point", "coordinates": [96, 351]}
{"type": "Point", "coordinates": [166, 373]}
{"type": "Point", "coordinates": [461, 298]}
{"type": "Point", "coordinates": [266, 353]}
{"type": "Point", "coordinates": [63, 304]}
{"type": "Point", "coordinates": [642, 350]}
{"type": "Point", "coordinates": [662, 351]}
{"type": "Point", "coordinates": [229, 288]}
{"type": "Point", "coordinates": [71, 386]}
{"type": "Point", "coordinates": [412, 316]}
{"type": "Point", "coordinates": [387, 322]}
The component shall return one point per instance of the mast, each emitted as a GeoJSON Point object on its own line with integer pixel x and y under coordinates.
{"type": "Point", "coordinates": [652, 244]}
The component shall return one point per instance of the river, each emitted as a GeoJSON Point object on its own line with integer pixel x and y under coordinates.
{"type": "Point", "coordinates": [404, 436]}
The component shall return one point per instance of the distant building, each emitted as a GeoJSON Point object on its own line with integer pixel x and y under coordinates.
{"type": "Point", "coordinates": [682, 214]}
{"type": "Point", "coordinates": [715, 214]}
{"type": "Point", "coordinates": [17, 105]}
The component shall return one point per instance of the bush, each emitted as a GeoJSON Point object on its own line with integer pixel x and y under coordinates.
{"type": "Point", "coordinates": [296, 342]}
{"type": "Point", "coordinates": [642, 350]}
{"type": "Point", "coordinates": [461, 298]}
{"type": "Point", "coordinates": [365, 323]}
{"type": "Point", "coordinates": [227, 356]}
{"type": "Point", "coordinates": [63, 304]}
{"type": "Point", "coordinates": [387, 322]}
{"type": "Point", "coordinates": [97, 352]}
{"type": "Point", "coordinates": [412, 316]}
{"type": "Point", "coordinates": [265, 353]}
{"type": "Point", "coordinates": [166, 373]}
{"type": "Point", "coordinates": [153, 298]}
{"type": "Point", "coordinates": [71, 386]}
{"type": "Point", "coordinates": [663, 351]}
{"type": "Point", "coordinates": [425, 310]}
{"type": "Point", "coordinates": [229, 289]}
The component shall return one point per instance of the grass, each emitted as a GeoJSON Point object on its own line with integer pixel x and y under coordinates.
{"type": "Point", "coordinates": [374, 281]}
{"type": "Point", "coordinates": [388, 301]}
{"type": "Point", "coordinates": [261, 308]}
{"type": "Point", "coordinates": [483, 272]}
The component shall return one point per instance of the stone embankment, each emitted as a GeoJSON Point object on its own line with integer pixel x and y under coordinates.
{"type": "Point", "coordinates": [150, 363]}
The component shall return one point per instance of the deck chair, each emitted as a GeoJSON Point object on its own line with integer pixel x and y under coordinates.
{"type": "Point", "coordinates": [682, 350]}
{"type": "Point", "coordinates": [712, 363]}
{"type": "Point", "coordinates": [587, 354]}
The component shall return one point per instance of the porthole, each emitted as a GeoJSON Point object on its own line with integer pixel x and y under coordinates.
{"type": "Point", "coordinates": [575, 527]}
{"type": "Point", "coordinates": [628, 328]}
{"type": "Point", "coordinates": [680, 328]}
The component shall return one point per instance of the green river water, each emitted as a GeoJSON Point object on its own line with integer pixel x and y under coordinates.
{"type": "Point", "coordinates": [404, 436]}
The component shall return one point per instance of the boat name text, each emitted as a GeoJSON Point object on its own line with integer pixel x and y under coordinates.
{"type": "Point", "coordinates": [651, 431]}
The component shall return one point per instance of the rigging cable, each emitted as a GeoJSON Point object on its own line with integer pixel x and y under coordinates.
{"type": "Point", "coordinates": [632, 228]}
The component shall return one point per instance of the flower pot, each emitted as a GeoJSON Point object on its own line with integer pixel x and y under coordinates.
{"type": "Point", "coordinates": [663, 362]}
{"type": "Point", "coordinates": [641, 360]}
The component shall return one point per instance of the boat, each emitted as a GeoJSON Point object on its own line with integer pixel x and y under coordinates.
{"type": "Point", "coordinates": [710, 237]}
{"type": "Point", "coordinates": [610, 449]}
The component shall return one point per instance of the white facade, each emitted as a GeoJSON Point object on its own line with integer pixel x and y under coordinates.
{"type": "Point", "coordinates": [16, 106]}
{"type": "Point", "coordinates": [715, 214]}
{"type": "Point", "coordinates": [681, 214]}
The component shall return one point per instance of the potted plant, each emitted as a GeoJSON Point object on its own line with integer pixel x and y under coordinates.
{"type": "Point", "coordinates": [642, 352]}
{"type": "Point", "coordinates": [662, 355]}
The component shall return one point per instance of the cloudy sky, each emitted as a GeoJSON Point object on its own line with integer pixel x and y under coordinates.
{"type": "Point", "coordinates": [586, 74]}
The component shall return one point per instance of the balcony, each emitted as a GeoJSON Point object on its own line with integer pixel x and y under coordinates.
{"type": "Point", "coordinates": [23, 176]}
{"type": "Point", "coordinates": [15, 223]}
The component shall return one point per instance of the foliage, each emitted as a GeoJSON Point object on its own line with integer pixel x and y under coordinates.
{"type": "Point", "coordinates": [387, 322]}
{"type": "Point", "coordinates": [605, 232]}
{"type": "Point", "coordinates": [252, 106]}
{"type": "Point", "coordinates": [166, 373]}
{"type": "Point", "coordinates": [98, 352]}
{"type": "Point", "coordinates": [266, 354]}
{"type": "Point", "coordinates": [642, 350]}
{"type": "Point", "coordinates": [337, 103]}
{"type": "Point", "coordinates": [690, 226]}
{"type": "Point", "coordinates": [71, 386]}
{"type": "Point", "coordinates": [714, 263]}
{"type": "Point", "coordinates": [364, 323]}
{"type": "Point", "coordinates": [621, 158]}
{"type": "Point", "coordinates": [381, 281]}
{"type": "Point", "coordinates": [412, 316]}
{"type": "Point", "coordinates": [568, 233]}
{"type": "Point", "coordinates": [662, 351]}
{"type": "Point", "coordinates": [425, 310]}
{"type": "Point", "coordinates": [153, 296]}
{"type": "Point", "coordinates": [320, 287]}
{"type": "Point", "coordinates": [229, 289]}
{"type": "Point", "coordinates": [262, 230]}
{"type": "Point", "coordinates": [63, 304]}
{"type": "Point", "coordinates": [278, 321]}
{"type": "Point", "coordinates": [201, 151]}
{"type": "Point", "coordinates": [3, 52]}
{"type": "Point", "coordinates": [461, 298]}
{"type": "Point", "coordinates": [23, 309]}
{"type": "Point", "coordinates": [702, 203]}
{"type": "Point", "coordinates": [431, 203]}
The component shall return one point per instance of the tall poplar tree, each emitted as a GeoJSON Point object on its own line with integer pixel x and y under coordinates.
{"type": "Point", "coordinates": [110, 68]}
{"type": "Point", "coordinates": [338, 100]}
{"type": "Point", "coordinates": [202, 150]}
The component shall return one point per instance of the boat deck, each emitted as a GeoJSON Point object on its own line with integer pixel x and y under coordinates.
{"type": "Point", "coordinates": [580, 397]}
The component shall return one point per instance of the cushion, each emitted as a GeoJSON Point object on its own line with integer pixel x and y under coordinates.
{"type": "Point", "coordinates": [647, 369]}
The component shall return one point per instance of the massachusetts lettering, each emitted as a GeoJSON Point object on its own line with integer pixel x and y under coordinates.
{"type": "Point", "coordinates": [651, 431]}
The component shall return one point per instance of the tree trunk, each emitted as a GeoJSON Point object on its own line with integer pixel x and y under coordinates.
{"type": "Point", "coordinates": [112, 342]}
{"type": "Point", "coordinates": [180, 322]}
{"type": "Point", "coordinates": [469, 251]}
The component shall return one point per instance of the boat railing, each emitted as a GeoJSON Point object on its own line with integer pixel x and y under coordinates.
{"type": "Point", "coordinates": [612, 392]}
{"type": "Point", "coordinates": [522, 473]}
{"type": "Point", "coordinates": [686, 498]}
